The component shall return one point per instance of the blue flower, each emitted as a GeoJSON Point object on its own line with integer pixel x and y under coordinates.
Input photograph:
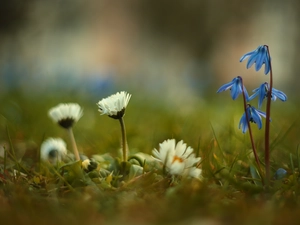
{"type": "Point", "coordinates": [280, 174]}
{"type": "Point", "coordinates": [259, 56]}
{"type": "Point", "coordinates": [235, 87]}
{"type": "Point", "coordinates": [254, 116]}
{"type": "Point", "coordinates": [262, 92]}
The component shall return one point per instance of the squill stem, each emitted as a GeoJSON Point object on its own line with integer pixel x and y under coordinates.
{"type": "Point", "coordinates": [267, 130]}
{"type": "Point", "coordinates": [73, 142]}
{"type": "Point", "coordinates": [250, 131]}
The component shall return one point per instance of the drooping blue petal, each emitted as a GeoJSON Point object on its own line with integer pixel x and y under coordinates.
{"type": "Point", "coordinates": [267, 64]}
{"type": "Point", "coordinates": [255, 117]}
{"type": "Point", "coordinates": [251, 60]}
{"type": "Point", "coordinates": [276, 93]}
{"type": "Point", "coordinates": [259, 62]}
{"type": "Point", "coordinates": [261, 113]}
{"type": "Point", "coordinates": [262, 92]}
{"type": "Point", "coordinates": [243, 123]}
{"type": "Point", "coordinates": [246, 94]}
{"type": "Point", "coordinates": [236, 87]}
{"type": "Point", "coordinates": [246, 55]}
{"type": "Point", "coordinates": [256, 92]}
{"type": "Point", "coordinates": [259, 56]}
{"type": "Point", "coordinates": [236, 90]}
{"type": "Point", "coordinates": [225, 87]}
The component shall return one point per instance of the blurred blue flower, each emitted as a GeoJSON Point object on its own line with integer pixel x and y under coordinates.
{"type": "Point", "coordinates": [254, 116]}
{"type": "Point", "coordinates": [235, 87]}
{"type": "Point", "coordinates": [259, 56]}
{"type": "Point", "coordinates": [280, 174]}
{"type": "Point", "coordinates": [262, 92]}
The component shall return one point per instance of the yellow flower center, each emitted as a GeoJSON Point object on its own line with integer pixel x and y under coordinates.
{"type": "Point", "coordinates": [176, 158]}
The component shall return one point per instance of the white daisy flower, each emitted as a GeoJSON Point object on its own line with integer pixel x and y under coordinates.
{"type": "Point", "coordinates": [53, 150]}
{"type": "Point", "coordinates": [66, 114]}
{"type": "Point", "coordinates": [178, 159]}
{"type": "Point", "coordinates": [194, 172]}
{"type": "Point", "coordinates": [114, 106]}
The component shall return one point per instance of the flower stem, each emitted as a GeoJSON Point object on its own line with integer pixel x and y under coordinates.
{"type": "Point", "coordinates": [250, 131]}
{"type": "Point", "coordinates": [124, 140]}
{"type": "Point", "coordinates": [267, 130]}
{"type": "Point", "coordinates": [73, 142]}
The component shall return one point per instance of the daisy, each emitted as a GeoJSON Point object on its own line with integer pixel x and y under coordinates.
{"type": "Point", "coordinates": [66, 115]}
{"type": "Point", "coordinates": [53, 150]}
{"type": "Point", "coordinates": [177, 159]}
{"type": "Point", "coordinates": [114, 106]}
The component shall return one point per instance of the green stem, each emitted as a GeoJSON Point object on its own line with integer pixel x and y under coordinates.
{"type": "Point", "coordinates": [124, 140]}
{"type": "Point", "coordinates": [73, 142]}
{"type": "Point", "coordinates": [4, 164]}
{"type": "Point", "coordinates": [267, 130]}
{"type": "Point", "coordinates": [13, 151]}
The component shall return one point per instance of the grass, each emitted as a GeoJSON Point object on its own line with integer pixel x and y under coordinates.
{"type": "Point", "coordinates": [230, 193]}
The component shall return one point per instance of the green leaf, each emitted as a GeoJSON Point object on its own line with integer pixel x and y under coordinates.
{"type": "Point", "coordinates": [73, 171]}
{"type": "Point", "coordinates": [255, 175]}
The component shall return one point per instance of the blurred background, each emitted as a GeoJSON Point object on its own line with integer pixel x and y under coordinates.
{"type": "Point", "coordinates": [166, 53]}
{"type": "Point", "coordinates": [176, 50]}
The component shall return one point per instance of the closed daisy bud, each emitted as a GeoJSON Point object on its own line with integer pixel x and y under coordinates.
{"type": "Point", "coordinates": [89, 165]}
{"type": "Point", "coordinates": [66, 114]}
{"type": "Point", "coordinates": [53, 150]}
